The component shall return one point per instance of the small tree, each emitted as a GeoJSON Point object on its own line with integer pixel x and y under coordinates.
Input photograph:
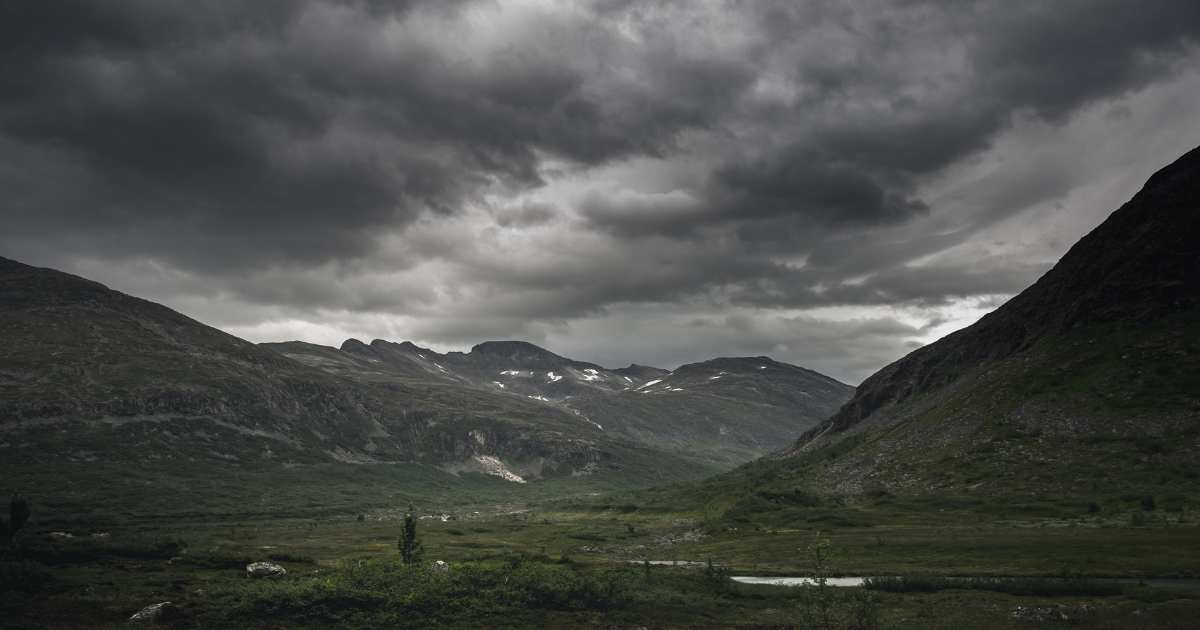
{"type": "Point", "coordinates": [717, 576]}
{"type": "Point", "coordinates": [817, 606]}
{"type": "Point", "coordinates": [18, 515]}
{"type": "Point", "coordinates": [410, 547]}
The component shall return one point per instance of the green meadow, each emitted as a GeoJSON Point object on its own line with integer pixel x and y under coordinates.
{"type": "Point", "coordinates": [522, 556]}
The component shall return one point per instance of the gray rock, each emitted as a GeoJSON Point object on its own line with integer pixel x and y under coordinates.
{"type": "Point", "coordinates": [151, 614]}
{"type": "Point", "coordinates": [265, 570]}
{"type": "Point", "coordinates": [441, 566]}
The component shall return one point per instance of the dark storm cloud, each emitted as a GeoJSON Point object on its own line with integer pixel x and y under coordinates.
{"type": "Point", "coordinates": [870, 140]}
{"type": "Point", "coordinates": [317, 156]}
{"type": "Point", "coordinates": [292, 131]}
{"type": "Point", "coordinates": [525, 215]}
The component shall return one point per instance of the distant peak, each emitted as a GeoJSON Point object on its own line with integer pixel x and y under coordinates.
{"type": "Point", "coordinates": [641, 371]}
{"type": "Point", "coordinates": [740, 361]}
{"type": "Point", "coordinates": [352, 345]}
{"type": "Point", "coordinates": [509, 347]}
{"type": "Point", "coordinates": [638, 366]}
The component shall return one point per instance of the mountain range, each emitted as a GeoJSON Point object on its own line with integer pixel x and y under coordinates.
{"type": "Point", "coordinates": [91, 377]}
{"type": "Point", "coordinates": [1085, 384]}
{"type": "Point", "coordinates": [724, 411]}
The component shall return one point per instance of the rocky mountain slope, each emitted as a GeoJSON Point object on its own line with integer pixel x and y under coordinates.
{"type": "Point", "coordinates": [106, 397]}
{"type": "Point", "coordinates": [88, 374]}
{"type": "Point", "coordinates": [1087, 382]}
{"type": "Point", "coordinates": [721, 412]}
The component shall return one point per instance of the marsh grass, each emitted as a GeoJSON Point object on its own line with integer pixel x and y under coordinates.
{"type": "Point", "coordinates": [516, 590]}
{"type": "Point", "coordinates": [1026, 586]}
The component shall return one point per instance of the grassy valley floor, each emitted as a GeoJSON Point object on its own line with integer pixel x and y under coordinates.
{"type": "Point", "coordinates": [580, 563]}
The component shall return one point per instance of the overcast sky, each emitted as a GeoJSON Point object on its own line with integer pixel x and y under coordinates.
{"type": "Point", "coordinates": [828, 183]}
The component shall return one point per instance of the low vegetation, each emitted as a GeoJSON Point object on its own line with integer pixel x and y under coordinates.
{"type": "Point", "coordinates": [1040, 587]}
{"type": "Point", "coordinates": [586, 564]}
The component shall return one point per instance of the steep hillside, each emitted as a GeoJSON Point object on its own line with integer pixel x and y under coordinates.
{"type": "Point", "coordinates": [721, 412]}
{"type": "Point", "coordinates": [1082, 390]}
{"type": "Point", "coordinates": [94, 377]}
{"type": "Point", "coordinates": [1087, 380]}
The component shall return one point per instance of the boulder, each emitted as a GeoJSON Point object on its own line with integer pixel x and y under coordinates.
{"type": "Point", "coordinates": [152, 613]}
{"type": "Point", "coordinates": [265, 570]}
{"type": "Point", "coordinates": [441, 566]}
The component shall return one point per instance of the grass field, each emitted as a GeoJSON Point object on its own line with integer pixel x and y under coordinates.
{"type": "Point", "coordinates": [578, 562]}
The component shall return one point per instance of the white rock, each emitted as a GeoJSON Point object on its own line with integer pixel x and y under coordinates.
{"type": "Point", "coordinates": [492, 465]}
{"type": "Point", "coordinates": [150, 614]}
{"type": "Point", "coordinates": [265, 570]}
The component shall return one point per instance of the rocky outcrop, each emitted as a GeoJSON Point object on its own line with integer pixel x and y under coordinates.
{"type": "Point", "coordinates": [153, 613]}
{"type": "Point", "coordinates": [268, 570]}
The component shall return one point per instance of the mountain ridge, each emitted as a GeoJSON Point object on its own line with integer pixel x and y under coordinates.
{"type": "Point", "coordinates": [88, 373]}
{"type": "Point", "coordinates": [724, 411]}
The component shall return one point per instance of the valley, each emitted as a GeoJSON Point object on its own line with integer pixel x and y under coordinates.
{"type": "Point", "coordinates": [1038, 468]}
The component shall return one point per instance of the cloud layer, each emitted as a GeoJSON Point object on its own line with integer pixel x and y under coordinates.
{"type": "Point", "coordinates": [827, 182]}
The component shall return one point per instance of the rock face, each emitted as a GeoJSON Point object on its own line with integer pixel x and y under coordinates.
{"type": "Point", "coordinates": [1097, 357]}
{"type": "Point", "coordinates": [267, 570]}
{"type": "Point", "coordinates": [152, 613]}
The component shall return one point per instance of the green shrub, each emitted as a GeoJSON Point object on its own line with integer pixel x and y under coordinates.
{"type": "Point", "coordinates": [587, 537]}
{"type": "Point", "coordinates": [408, 545]}
{"type": "Point", "coordinates": [387, 592]}
{"type": "Point", "coordinates": [290, 557]}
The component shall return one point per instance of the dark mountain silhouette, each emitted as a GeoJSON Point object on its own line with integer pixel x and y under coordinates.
{"type": "Point", "coordinates": [1084, 388]}
{"type": "Point", "coordinates": [1098, 359]}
